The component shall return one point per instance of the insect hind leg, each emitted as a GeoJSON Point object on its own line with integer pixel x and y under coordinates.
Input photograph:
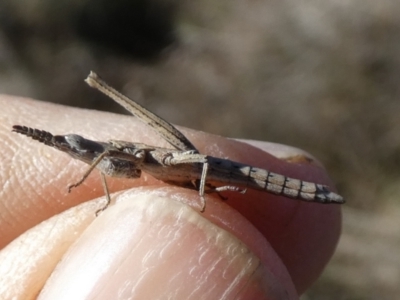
{"type": "Point", "coordinates": [225, 188]}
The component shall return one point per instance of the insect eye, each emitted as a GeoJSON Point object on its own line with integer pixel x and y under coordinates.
{"type": "Point", "coordinates": [75, 140]}
{"type": "Point", "coordinates": [80, 143]}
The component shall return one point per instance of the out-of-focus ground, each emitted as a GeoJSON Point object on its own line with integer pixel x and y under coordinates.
{"type": "Point", "coordinates": [319, 75]}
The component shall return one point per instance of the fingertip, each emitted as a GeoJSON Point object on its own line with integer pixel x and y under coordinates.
{"type": "Point", "coordinates": [303, 234]}
{"type": "Point", "coordinates": [152, 246]}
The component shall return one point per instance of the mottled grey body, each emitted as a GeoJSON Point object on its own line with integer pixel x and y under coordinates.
{"type": "Point", "coordinates": [181, 166]}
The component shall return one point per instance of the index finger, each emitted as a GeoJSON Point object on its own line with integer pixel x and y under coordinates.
{"type": "Point", "coordinates": [304, 235]}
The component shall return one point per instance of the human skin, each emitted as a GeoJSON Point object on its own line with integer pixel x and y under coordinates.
{"type": "Point", "coordinates": [153, 241]}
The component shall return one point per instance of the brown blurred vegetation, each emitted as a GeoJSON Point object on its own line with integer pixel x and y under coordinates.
{"type": "Point", "coordinates": [318, 75]}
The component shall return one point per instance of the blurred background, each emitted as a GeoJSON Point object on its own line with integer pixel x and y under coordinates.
{"type": "Point", "coordinates": [319, 75]}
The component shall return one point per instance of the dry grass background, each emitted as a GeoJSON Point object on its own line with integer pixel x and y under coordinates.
{"type": "Point", "coordinates": [318, 75]}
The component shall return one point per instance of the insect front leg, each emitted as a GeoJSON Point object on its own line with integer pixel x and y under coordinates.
{"type": "Point", "coordinates": [87, 173]}
{"type": "Point", "coordinates": [120, 164]}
